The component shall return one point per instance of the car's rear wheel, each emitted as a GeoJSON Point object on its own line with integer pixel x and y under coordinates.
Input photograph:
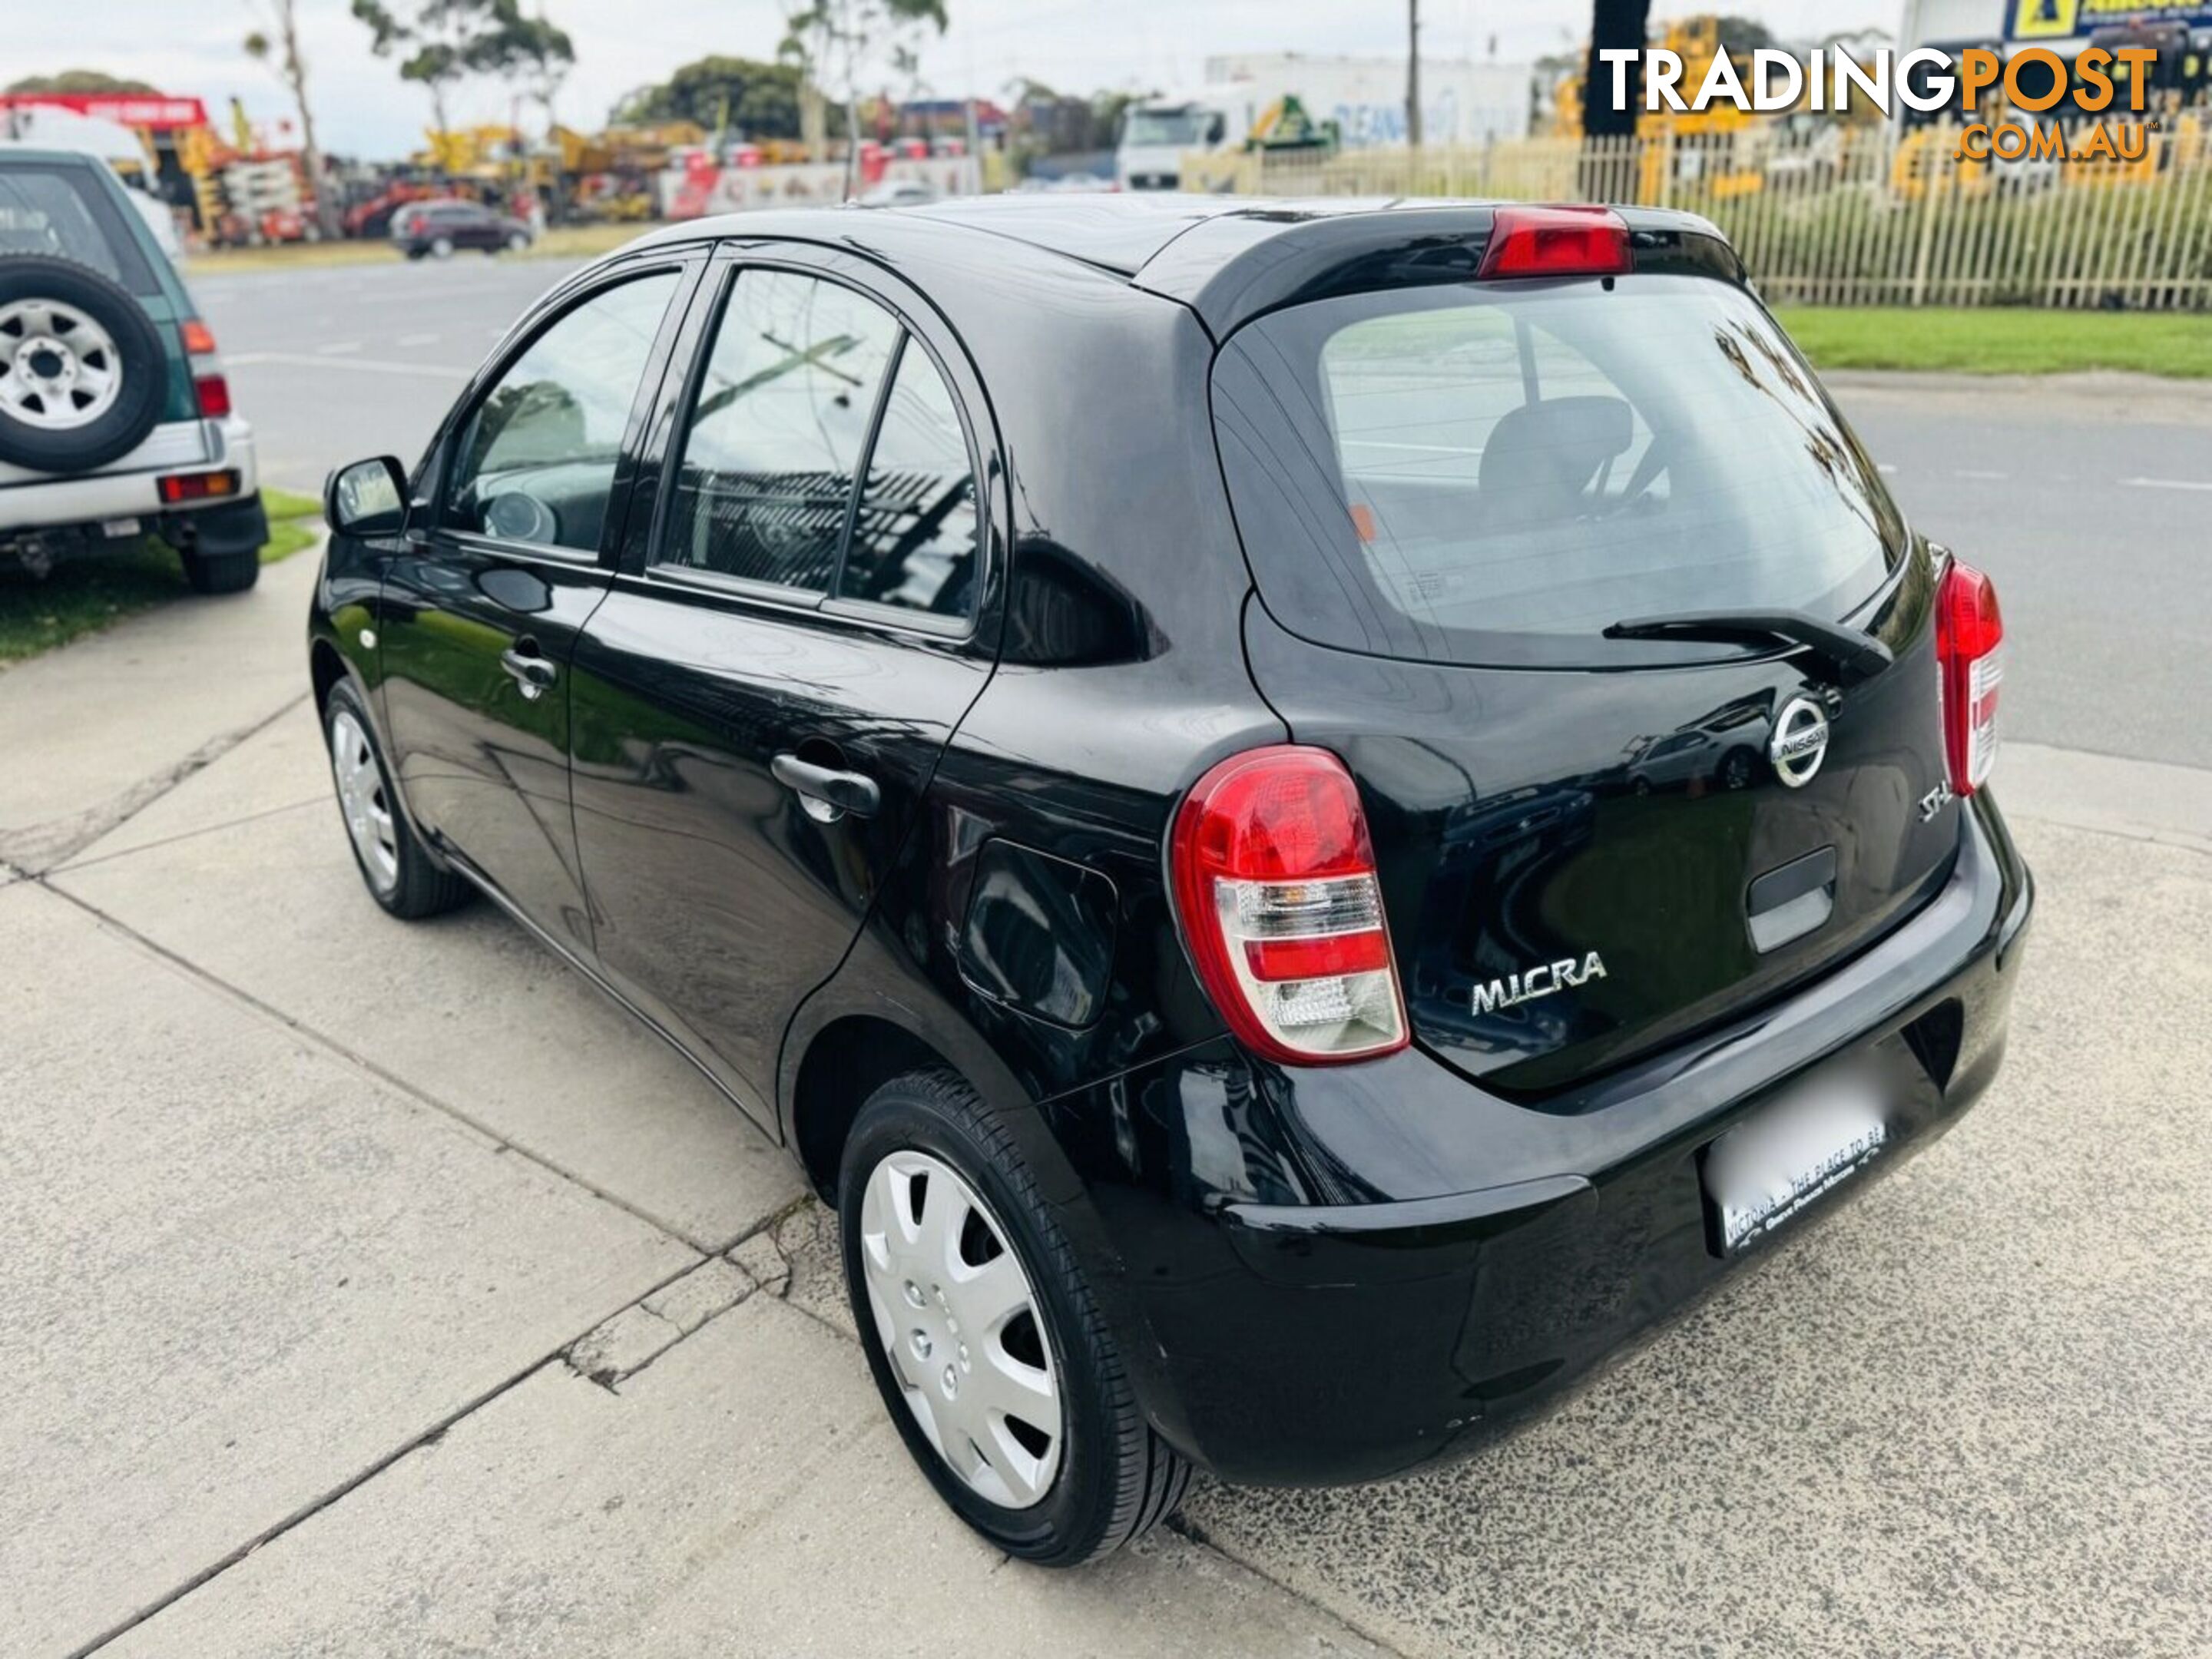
{"type": "Point", "coordinates": [517, 242]}
{"type": "Point", "coordinates": [400, 875]}
{"type": "Point", "coordinates": [83, 373]}
{"type": "Point", "coordinates": [441, 248]}
{"type": "Point", "coordinates": [990, 1353]}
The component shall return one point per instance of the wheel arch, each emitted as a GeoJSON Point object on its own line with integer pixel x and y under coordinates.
{"type": "Point", "coordinates": [869, 1024]}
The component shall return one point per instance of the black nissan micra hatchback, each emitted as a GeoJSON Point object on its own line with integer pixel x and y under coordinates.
{"type": "Point", "coordinates": [1310, 816]}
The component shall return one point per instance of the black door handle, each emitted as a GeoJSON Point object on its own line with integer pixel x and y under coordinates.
{"type": "Point", "coordinates": [827, 793]}
{"type": "Point", "coordinates": [533, 673]}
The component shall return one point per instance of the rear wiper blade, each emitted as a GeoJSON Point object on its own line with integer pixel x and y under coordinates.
{"type": "Point", "coordinates": [1857, 656]}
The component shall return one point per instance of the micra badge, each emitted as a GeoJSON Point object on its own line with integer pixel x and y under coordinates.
{"type": "Point", "coordinates": [1547, 980]}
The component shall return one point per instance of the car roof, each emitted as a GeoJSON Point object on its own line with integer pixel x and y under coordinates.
{"type": "Point", "coordinates": [1227, 258]}
{"type": "Point", "coordinates": [46, 155]}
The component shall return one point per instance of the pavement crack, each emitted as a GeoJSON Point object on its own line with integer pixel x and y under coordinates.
{"type": "Point", "coordinates": [74, 865]}
{"type": "Point", "coordinates": [44, 846]}
{"type": "Point", "coordinates": [429, 1436]}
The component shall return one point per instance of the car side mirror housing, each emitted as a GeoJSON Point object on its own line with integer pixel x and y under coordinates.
{"type": "Point", "coordinates": [369, 498]}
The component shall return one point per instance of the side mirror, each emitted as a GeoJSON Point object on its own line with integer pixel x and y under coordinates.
{"type": "Point", "coordinates": [369, 498]}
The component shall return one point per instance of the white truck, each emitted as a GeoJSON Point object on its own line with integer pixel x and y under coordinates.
{"type": "Point", "coordinates": [1462, 102]}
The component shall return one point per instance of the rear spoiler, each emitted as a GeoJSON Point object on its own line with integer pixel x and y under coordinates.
{"type": "Point", "coordinates": [1236, 266]}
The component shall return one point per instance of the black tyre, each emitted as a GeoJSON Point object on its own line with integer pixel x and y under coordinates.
{"type": "Point", "coordinates": [400, 875]}
{"type": "Point", "coordinates": [990, 1353]}
{"type": "Point", "coordinates": [223, 573]}
{"type": "Point", "coordinates": [82, 375]}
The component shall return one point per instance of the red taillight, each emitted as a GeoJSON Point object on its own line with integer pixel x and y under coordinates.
{"type": "Point", "coordinates": [1970, 650]}
{"type": "Point", "coordinates": [200, 339]}
{"type": "Point", "coordinates": [1275, 882]}
{"type": "Point", "coordinates": [196, 486]}
{"type": "Point", "coordinates": [1556, 241]}
{"type": "Point", "coordinates": [214, 396]}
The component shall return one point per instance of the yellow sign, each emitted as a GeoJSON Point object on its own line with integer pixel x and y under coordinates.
{"type": "Point", "coordinates": [2062, 20]}
{"type": "Point", "coordinates": [2045, 20]}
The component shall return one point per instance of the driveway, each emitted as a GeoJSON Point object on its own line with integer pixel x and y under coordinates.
{"type": "Point", "coordinates": [381, 1289]}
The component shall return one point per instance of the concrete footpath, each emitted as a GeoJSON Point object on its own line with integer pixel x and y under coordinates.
{"type": "Point", "coordinates": [382, 1290]}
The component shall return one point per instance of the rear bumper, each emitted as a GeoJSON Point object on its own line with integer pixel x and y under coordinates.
{"type": "Point", "coordinates": [1299, 1344]}
{"type": "Point", "coordinates": [130, 488]}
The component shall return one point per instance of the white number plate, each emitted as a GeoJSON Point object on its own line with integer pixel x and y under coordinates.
{"type": "Point", "coordinates": [1786, 1155]}
{"type": "Point", "coordinates": [112, 528]}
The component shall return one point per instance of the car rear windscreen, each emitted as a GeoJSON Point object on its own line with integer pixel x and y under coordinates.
{"type": "Point", "coordinates": [65, 210]}
{"type": "Point", "coordinates": [1496, 474]}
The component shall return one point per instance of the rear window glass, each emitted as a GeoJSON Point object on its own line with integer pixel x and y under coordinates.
{"type": "Point", "coordinates": [64, 210]}
{"type": "Point", "coordinates": [1470, 475]}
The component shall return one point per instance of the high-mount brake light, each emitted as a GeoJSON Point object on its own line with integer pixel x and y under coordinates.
{"type": "Point", "coordinates": [1276, 886]}
{"type": "Point", "coordinates": [1556, 241]}
{"type": "Point", "coordinates": [1970, 655]}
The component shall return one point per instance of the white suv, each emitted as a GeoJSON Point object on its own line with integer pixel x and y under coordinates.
{"type": "Point", "coordinates": [115, 419]}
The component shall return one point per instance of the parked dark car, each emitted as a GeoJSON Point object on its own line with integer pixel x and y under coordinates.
{"type": "Point", "coordinates": [438, 228]}
{"type": "Point", "coordinates": [1105, 727]}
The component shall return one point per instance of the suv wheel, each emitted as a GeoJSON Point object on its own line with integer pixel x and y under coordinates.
{"type": "Point", "coordinates": [441, 248]}
{"type": "Point", "coordinates": [985, 1342]}
{"type": "Point", "coordinates": [81, 369]}
{"type": "Point", "coordinates": [517, 242]}
{"type": "Point", "coordinates": [400, 875]}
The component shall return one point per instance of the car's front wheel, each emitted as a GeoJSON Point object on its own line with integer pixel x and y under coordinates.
{"type": "Point", "coordinates": [990, 1353]}
{"type": "Point", "coordinates": [517, 242]}
{"type": "Point", "coordinates": [398, 874]}
{"type": "Point", "coordinates": [441, 248]}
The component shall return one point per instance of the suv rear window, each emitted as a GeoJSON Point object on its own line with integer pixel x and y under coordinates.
{"type": "Point", "coordinates": [1494, 475]}
{"type": "Point", "coordinates": [65, 210]}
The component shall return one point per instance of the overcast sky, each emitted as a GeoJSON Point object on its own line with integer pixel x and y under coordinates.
{"type": "Point", "coordinates": [365, 109]}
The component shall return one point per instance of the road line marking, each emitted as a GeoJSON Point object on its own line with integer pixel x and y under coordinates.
{"type": "Point", "coordinates": [1976, 472]}
{"type": "Point", "coordinates": [2164, 484]}
{"type": "Point", "coordinates": [303, 360]}
{"type": "Point", "coordinates": [418, 339]}
{"type": "Point", "coordinates": [1887, 470]}
{"type": "Point", "coordinates": [338, 349]}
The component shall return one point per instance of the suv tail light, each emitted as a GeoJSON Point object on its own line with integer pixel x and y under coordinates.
{"type": "Point", "coordinates": [1969, 653]}
{"type": "Point", "coordinates": [1556, 241]}
{"type": "Point", "coordinates": [1275, 882]}
{"type": "Point", "coordinates": [214, 393]}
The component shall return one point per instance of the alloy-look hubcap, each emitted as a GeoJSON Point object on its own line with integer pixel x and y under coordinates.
{"type": "Point", "coordinates": [58, 368]}
{"type": "Point", "coordinates": [360, 796]}
{"type": "Point", "coordinates": [959, 1321]}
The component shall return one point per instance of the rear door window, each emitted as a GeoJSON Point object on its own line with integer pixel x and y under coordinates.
{"type": "Point", "coordinates": [825, 453]}
{"type": "Point", "coordinates": [778, 426]}
{"type": "Point", "coordinates": [915, 533]}
{"type": "Point", "coordinates": [67, 211]}
{"type": "Point", "coordinates": [1497, 474]}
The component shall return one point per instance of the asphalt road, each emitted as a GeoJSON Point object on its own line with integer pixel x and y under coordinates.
{"type": "Point", "coordinates": [2088, 501]}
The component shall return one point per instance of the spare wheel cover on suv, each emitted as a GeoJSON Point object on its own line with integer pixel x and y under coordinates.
{"type": "Point", "coordinates": [82, 370]}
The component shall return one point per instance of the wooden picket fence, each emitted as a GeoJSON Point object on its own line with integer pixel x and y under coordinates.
{"type": "Point", "coordinates": [1868, 216]}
